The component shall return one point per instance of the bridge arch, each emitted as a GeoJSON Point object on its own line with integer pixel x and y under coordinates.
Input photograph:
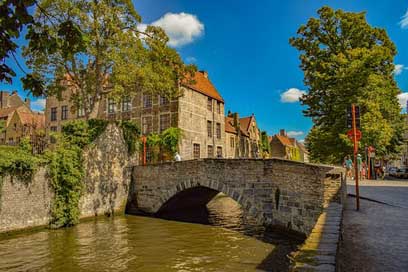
{"type": "Point", "coordinates": [194, 194]}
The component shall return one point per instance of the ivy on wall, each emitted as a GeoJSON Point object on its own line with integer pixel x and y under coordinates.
{"type": "Point", "coordinates": [65, 163]}
{"type": "Point", "coordinates": [131, 133]}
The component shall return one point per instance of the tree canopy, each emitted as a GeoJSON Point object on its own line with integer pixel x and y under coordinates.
{"type": "Point", "coordinates": [14, 16]}
{"type": "Point", "coordinates": [345, 61]}
{"type": "Point", "coordinates": [94, 47]}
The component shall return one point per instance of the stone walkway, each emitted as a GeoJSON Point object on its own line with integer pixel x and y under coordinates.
{"type": "Point", "coordinates": [318, 253]}
{"type": "Point", "coordinates": [376, 237]}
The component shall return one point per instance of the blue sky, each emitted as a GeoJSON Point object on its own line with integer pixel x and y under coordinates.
{"type": "Point", "coordinates": [244, 47]}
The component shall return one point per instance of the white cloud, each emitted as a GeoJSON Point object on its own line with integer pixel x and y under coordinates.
{"type": "Point", "coordinates": [403, 98]}
{"type": "Point", "coordinates": [292, 95]}
{"type": "Point", "coordinates": [399, 68]}
{"type": "Point", "coordinates": [295, 133]}
{"type": "Point", "coordinates": [182, 28]}
{"type": "Point", "coordinates": [38, 104]}
{"type": "Point", "coordinates": [302, 141]}
{"type": "Point", "coordinates": [404, 21]}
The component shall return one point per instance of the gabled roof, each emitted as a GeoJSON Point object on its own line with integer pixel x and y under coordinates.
{"type": "Point", "coordinates": [202, 84]}
{"type": "Point", "coordinates": [36, 120]}
{"type": "Point", "coordinates": [245, 122]}
{"type": "Point", "coordinates": [7, 113]}
{"type": "Point", "coordinates": [284, 140]}
{"type": "Point", "coordinates": [229, 127]}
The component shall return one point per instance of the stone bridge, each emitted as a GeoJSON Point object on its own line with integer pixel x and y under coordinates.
{"type": "Point", "coordinates": [275, 192]}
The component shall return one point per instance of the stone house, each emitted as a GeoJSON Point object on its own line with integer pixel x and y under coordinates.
{"type": "Point", "coordinates": [19, 120]}
{"type": "Point", "coordinates": [242, 136]}
{"type": "Point", "coordinates": [284, 147]}
{"type": "Point", "coordinates": [198, 112]}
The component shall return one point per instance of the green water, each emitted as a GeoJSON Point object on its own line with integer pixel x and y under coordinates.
{"type": "Point", "coordinates": [134, 243]}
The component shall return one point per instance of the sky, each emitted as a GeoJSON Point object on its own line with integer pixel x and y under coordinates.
{"type": "Point", "coordinates": [243, 45]}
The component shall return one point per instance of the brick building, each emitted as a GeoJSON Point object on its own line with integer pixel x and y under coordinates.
{"type": "Point", "coordinates": [19, 120]}
{"type": "Point", "coordinates": [242, 136]}
{"type": "Point", "coordinates": [198, 112]}
{"type": "Point", "coordinates": [285, 147]}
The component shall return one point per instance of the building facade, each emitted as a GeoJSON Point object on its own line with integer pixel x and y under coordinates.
{"type": "Point", "coordinates": [285, 147]}
{"type": "Point", "coordinates": [18, 119]}
{"type": "Point", "coordinates": [198, 112]}
{"type": "Point", "coordinates": [242, 136]}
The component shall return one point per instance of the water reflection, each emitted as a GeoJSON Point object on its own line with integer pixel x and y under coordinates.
{"type": "Point", "coordinates": [132, 243]}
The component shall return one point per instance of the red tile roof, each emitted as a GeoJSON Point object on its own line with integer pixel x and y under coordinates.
{"type": "Point", "coordinates": [203, 85]}
{"type": "Point", "coordinates": [7, 111]}
{"type": "Point", "coordinates": [36, 120]}
{"type": "Point", "coordinates": [284, 140]}
{"type": "Point", "coordinates": [229, 127]}
{"type": "Point", "coordinates": [245, 122]}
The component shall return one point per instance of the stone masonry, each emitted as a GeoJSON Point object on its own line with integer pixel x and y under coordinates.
{"type": "Point", "coordinates": [107, 181]}
{"type": "Point", "coordinates": [276, 192]}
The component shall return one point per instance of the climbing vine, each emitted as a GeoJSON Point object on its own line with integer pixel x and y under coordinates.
{"type": "Point", "coordinates": [131, 133]}
{"type": "Point", "coordinates": [66, 168]}
{"type": "Point", "coordinates": [65, 163]}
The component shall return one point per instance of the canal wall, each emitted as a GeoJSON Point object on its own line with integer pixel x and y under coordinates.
{"type": "Point", "coordinates": [106, 185]}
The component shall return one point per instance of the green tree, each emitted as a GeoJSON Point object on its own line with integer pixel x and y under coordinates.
{"type": "Point", "coordinates": [265, 145]}
{"type": "Point", "coordinates": [95, 48]}
{"type": "Point", "coordinates": [345, 61]}
{"type": "Point", "coordinates": [14, 16]}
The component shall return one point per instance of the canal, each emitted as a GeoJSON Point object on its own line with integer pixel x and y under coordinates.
{"type": "Point", "coordinates": [224, 242]}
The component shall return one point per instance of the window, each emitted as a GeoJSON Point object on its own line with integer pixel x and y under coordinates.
{"type": "Point", "coordinates": [210, 151]}
{"type": "Point", "coordinates": [209, 104]}
{"type": "Point", "coordinates": [218, 107]}
{"type": "Point", "coordinates": [219, 152]}
{"type": "Point", "coordinates": [164, 122]}
{"type": "Point", "coordinates": [209, 129]}
{"type": "Point", "coordinates": [53, 128]}
{"type": "Point", "coordinates": [54, 114]}
{"type": "Point", "coordinates": [218, 130]}
{"type": "Point", "coordinates": [111, 105]}
{"type": "Point", "coordinates": [81, 111]}
{"type": "Point", "coordinates": [147, 101]}
{"type": "Point", "coordinates": [147, 125]}
{"type": "Point", "coordinates": [232, 142]}
{"type": "Point", "coordinates": [164, 100]}
{"type": "Point", "coordinates": [196, 151]}
{"type": "Point", "coordinates": [64, 112]}
{"type": "Point", "coordinates": [126, 104]}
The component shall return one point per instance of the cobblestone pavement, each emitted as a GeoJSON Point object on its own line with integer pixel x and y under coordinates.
{"type": "Point", "coordinates": [376, 237]}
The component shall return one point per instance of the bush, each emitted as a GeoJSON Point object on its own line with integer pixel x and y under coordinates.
{"type": "Point", "coordinates": [19, 162]}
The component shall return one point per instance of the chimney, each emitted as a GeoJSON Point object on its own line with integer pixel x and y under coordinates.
{"type": "Point", "coordinates": [282, 132]}
{"type": "Point", "coordinates": [27, 101]}
{"type": "Point", "coordinates": [3, 99]}
{"type": "Point", "coordinates": [205, 73]}
{"type": "Point", "coordinates": [14, 92]}
{"type": "Point", "coordinates": [236, 120]}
